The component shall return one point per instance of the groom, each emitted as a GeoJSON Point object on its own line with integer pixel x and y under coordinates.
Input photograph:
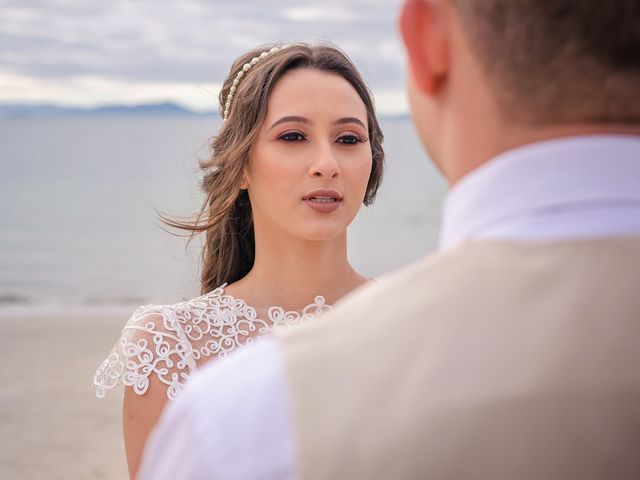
{"type": "Point", "coordinates": [513, 352]}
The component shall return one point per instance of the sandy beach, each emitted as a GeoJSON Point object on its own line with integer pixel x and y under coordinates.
{"type": "Point", "coordinates": [52, 425]}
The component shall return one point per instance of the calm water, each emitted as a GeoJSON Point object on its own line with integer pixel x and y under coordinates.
{"type": "Point", "coordinates": [78, 199]}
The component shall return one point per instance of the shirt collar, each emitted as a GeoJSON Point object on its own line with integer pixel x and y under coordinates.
{"type": "Point", "coordinates": [542, 175]}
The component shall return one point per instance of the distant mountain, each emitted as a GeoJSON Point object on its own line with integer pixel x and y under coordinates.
{"type": "Point", "coordinates": [164, 109]}
{"type": "Point", "coordinates": [399, 117]}
{"type": "Point", "coordinates": [17, 110]}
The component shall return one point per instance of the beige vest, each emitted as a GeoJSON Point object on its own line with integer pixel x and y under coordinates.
{"type": "Point", "coordinates": [493, 360]}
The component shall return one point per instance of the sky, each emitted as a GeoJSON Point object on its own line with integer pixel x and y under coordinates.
{"type": "Point", "coordinates": [90, 52]}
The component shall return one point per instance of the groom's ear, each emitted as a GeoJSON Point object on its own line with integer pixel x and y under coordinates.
{"type": "Point", "coordinates": [424, 25]}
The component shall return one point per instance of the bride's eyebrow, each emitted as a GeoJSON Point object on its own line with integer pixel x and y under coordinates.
{"type": "Point", "coordinates": [290, 118]}
{"type": "Point", "coordinates": [306, 121]}
{"type": "Point", "coordinates": [344, 120]}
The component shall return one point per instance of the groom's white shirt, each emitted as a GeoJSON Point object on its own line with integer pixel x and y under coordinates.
{"type": "Point", "coordinates": [233, 420]}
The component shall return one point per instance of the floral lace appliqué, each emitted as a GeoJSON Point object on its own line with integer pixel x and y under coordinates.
{"type": "Point", "coordinates": [169, 340]}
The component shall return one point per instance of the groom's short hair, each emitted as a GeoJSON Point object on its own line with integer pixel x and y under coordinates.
{"type": "Point", "coordinates": [558, 61]}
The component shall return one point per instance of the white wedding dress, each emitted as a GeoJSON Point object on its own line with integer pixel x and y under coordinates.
{"type": "Point", "coordinates": [171, 341]}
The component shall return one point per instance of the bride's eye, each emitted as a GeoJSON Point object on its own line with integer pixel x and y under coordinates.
{"type": "Point", "coordinates": [292, 137]}
{"type": "Point", "coordinates": [351, 139]}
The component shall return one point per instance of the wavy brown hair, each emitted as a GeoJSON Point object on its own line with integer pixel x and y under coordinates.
{"type": "Point", "coordinates": [225, 217]}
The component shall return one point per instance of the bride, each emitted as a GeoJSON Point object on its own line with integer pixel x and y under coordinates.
{"type": "Point", "coordinates": [299, 151]}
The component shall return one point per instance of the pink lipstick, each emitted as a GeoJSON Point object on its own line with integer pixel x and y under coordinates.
{"type": "Point", "coordinates": [323, 201]}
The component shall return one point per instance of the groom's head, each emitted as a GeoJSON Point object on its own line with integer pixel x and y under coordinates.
{"type": "Point", "coordinates": [528, 68]}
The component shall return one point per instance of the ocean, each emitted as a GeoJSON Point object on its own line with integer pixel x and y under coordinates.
{"type": "Point", "coordinates": [79, 196]}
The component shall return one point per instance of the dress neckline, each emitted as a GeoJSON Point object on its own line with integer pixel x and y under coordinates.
{"type": "Point", "coordinates": [319, 302]}
{"type": "Point", "coordinates": [168, 341]}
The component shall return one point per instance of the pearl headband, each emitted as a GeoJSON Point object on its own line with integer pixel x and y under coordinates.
{"type": "Point", "coordinates": [245, 68]}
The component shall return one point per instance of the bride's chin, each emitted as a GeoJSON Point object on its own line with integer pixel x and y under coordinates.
{"type": "Point", "coordinates": [322, 233]}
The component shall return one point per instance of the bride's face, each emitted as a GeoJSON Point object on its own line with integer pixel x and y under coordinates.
{"type": "Point", "coordinates": [310, 164]}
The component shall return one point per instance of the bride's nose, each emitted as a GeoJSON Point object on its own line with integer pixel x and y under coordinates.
{"type": "Point", "coordinates": [325, 163]}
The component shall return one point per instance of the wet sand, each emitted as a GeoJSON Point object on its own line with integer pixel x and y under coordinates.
{"type": "Point", "coordinates": [52, 426]}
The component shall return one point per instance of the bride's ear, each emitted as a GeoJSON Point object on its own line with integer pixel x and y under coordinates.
{"type": "Point", "coordinates": [243, 183]}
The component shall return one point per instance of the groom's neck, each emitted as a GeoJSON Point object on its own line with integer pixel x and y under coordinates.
{"type": "Point", "coordinates": [478, 146]}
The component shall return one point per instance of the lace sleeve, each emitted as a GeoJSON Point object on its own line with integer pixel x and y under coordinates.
{"type": "Point", "coordinates": [151, 343]}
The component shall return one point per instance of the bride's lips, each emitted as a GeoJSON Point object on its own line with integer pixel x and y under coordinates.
{"type": "Point", "coordinates": [323, 201]}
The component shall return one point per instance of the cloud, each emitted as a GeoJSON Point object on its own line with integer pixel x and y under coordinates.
{"type": "Point", "coordinates": [191, 42]}
{"type": "Point", "coordinates": [91, 91]}
{"type": "Point", "coordinates": [316, 14]}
